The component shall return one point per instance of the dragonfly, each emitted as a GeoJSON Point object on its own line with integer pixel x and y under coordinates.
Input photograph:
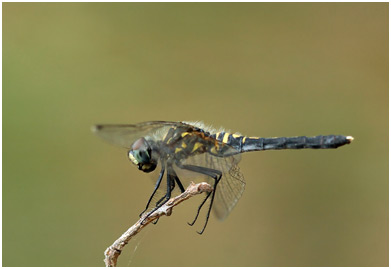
{"type": "Point", "coordinates": [198, 150]}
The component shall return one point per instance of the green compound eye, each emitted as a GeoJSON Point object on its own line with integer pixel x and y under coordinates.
{"type": "Point", "coordinates": [143, 156]}
{"type": "Point", "coordinates": [140, 155]}
{"type": "Point", "coordinates": [133, 158]}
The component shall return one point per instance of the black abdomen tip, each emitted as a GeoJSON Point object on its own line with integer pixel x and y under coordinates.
{"type": "Point", "coordinates": [335, 141]}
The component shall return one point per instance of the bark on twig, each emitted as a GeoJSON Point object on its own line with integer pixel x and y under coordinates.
{"type": "Point", "coordinates": [112, 253]}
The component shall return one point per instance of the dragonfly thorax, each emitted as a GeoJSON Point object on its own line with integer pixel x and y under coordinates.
{"type": "Point", "coordinates": [142, 155]}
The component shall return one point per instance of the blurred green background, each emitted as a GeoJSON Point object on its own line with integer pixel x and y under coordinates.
{"type": "Point", "coordinates": [262, 69]}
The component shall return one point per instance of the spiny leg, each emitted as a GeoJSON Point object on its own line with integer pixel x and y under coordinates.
{"type": "Point", "coordinates": [156, 187]}
{"type": "Point", "coordinates": [211, 203]}
{"type": "Point", "coordinates": [160, 200]}
{"type": "Point", "coordinates": [216, 175]}
{"type": "Point", "coordinates": [172, 171]}
{"type": "Point", "coordinates": [170, 182]}
{"type": "Point", "coordinates": [164, 196]}
{"type": "Point", "coordinates": [199, 209]}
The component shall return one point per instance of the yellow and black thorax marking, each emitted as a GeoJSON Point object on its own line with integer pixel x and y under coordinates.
{"type": "Point", "coordinates": [185, 142]}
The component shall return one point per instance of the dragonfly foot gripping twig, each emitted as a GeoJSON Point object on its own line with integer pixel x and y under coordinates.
{"type": "Point", "coordinates": [112, 253]}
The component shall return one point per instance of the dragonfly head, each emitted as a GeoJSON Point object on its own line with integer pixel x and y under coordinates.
{"type": "Point", "coordinates": [141, 155]}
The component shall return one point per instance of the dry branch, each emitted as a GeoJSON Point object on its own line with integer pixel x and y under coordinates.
{"type": "Point", "coordinates": [112, 253]}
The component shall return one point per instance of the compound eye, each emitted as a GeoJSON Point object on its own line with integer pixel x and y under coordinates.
{"type": "Point", "coordinates": [141, 151]}
{"type": "Point", "coordinates": [140, 144]}
{"type": "Point", "coordinates": [133, 157]}
{"type": "Point", "coordinates": [141, 155]}
{"type": "Point", "coordinates": [144, 156]}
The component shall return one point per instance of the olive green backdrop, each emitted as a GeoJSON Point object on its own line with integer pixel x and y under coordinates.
{"type": "Point", "coordinates": [261, 69]}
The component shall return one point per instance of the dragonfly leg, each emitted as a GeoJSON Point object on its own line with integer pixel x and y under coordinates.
{"type": "Point", "coordinates": [154, 191]}
{"type": "Point", "coordinates": [216, 175]}
{"type": "Point", "coordinates": [170, 187]}
{"type": "Point", "coordinates": [199, 209]}
{"type": "Point", "coordinates": [217, 179]}
{"type": "Point", "coordinates": [172, 171]}
{"type": "Point", "coordinates": [159, 202]}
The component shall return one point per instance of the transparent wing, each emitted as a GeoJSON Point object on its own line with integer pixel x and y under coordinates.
{"type": "Point", "coordinates": [232, 184]}
{"type": "Point", "coordinates": [126, 134]}
{"type": "Point", "coordinates": [229, 190]}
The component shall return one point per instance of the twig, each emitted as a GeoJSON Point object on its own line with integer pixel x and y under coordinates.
{"type": "Point", "coordinates": [112, 253]}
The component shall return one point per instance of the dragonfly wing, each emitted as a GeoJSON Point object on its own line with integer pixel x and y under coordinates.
{"type": "Point", "coordinates": [125, 135]}
{"type": "Point", "coordinates": [232, 183]}
{"type": "Point", "coordinates": [229, 190]}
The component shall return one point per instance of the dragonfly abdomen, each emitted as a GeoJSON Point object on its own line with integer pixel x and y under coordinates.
{"type": "Point", "coordinates": [234, 140]}
{"type": "Point", "coordinates": [298, 142]}
{"type": "Point", "coordinates": [245, 144]}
